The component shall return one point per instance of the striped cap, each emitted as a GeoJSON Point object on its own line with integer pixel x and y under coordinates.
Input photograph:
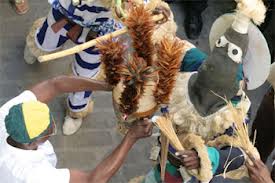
{"type": "Point", "coordinates": [28, 121]}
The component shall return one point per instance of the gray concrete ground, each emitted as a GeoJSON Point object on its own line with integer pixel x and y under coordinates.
{"type": "Point", "coordinates": [97, 136]}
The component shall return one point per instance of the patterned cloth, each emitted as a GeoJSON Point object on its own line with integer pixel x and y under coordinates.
{"type": "Point", "coordinates": [92, 17]}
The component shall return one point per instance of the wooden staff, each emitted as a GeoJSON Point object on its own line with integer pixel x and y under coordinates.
{"type": "Point", "coordinates": [84, 46]}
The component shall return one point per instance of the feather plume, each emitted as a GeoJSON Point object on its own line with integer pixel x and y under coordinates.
{"type": "Point", "coordinates": [112, 52]}
{"type": "Point", "coordinates": [136, 73]}
{"type": "Point", "coordinates": [169, 60]}
{"type": "Point", "coordinates": [140, 27]}
{"type": "Point", "coordinates": [253, 9]}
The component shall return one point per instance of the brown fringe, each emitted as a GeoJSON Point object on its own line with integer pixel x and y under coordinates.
{"type": "Point", "coordinates": [136, 73]}
{"type": "Point", "coordinates": [140, 27]}
{"type": "Point", "coordinates": [112, 57]}
{"type": "Point", "coordinates": [169, 60]}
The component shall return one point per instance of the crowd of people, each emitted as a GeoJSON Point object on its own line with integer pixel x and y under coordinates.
{"type": "Point", "coordinates": [26, 122]}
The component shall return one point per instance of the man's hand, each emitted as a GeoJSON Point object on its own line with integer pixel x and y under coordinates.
{"type": "Point", "coordinates": [258, 172]}
{"type": "Point", "coordinates": [189, 159]}
{"type": "Point", "coordinates": [140, 129]}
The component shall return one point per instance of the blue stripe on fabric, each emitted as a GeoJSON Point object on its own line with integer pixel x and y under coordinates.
{"type": "Point", "coordinates": [92, 9]}
{"type": "Point", "coordinates": [74, 107]}
{"type": "Point", "coordinates": [87, 94]}
{"type": "Point", "coordinates": [84, 64]}
{"type": "Point", "coordinates": [102, 19]}
{"type": "Point", "coordinates": [92, 51]}
{"type": "Point", "coordinates": [71, 9]}
{"type": "Point", "coordinates": [57, 14]}
{"type": "Point", "coordinates": [42, 32]}
{"type": "Point", "coordinates": [70, 13]}
{"type": "Point", "coordinates": [62, 40]}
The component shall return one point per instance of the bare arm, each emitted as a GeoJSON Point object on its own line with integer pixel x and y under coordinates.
{"type": "Point", "coordinates": [47, 90]}
{"type": "Point", "coordinates": [109, 166]}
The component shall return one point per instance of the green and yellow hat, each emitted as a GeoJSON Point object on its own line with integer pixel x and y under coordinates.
{"type": "Point", "coordinates": [28, 121]}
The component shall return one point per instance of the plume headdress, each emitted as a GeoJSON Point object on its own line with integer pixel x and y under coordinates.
{"type": "Point", "coordinates": [143, 75]}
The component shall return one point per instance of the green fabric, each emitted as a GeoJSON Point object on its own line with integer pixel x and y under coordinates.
{"type": "Point", "coordinates": [171, 169]}
{"type": "Point", "coordinates": [214, 157]}
{"type": "Point", "coordinates": [15, 126]}
{"type": "Point", "coordinates": [193, 60]}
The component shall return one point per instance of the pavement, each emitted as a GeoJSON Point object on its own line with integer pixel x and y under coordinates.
{"type": "Point", "coordinates": [97, 136]}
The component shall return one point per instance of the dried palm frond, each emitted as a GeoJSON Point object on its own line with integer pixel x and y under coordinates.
{"type": "Point", "coordinates": [164, 155]}
{"type": "Point", "coordinates": [241, 130]}
{"type": "Point", "coordinates": [169, 60]}
{"type": "Point", "coordinates": [240, 127]}
{"type": "Point", "coordinates": [140, 27]}
{"type": "Point", "coordinates": [136, 74]}
{"type": "Point", "coordinates": [112, 52]}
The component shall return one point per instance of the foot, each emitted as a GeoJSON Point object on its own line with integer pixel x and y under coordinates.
{"type": "Point", "coordinates": [71, 125]}
{"type": "Point", "coordinates": [193, 25]}
{"type": "Point", "coordinates": [21, 6]}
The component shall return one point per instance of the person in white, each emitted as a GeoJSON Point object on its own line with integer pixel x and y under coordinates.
{"type": "Point", "coordinates": [35, 162]}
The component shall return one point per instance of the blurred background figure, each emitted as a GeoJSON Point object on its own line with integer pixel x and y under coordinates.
{"type": "Point", "coordinates": [193, 19]}
{"type": "Point", "coordinates": [21, 6]}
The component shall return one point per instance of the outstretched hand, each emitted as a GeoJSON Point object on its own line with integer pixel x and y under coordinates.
{"type": "Point", "coordinates": [258, 172]}
{"type": "Point", "coordinates": [189, 159]}
{"type": "Point", "coordinates": [141, 129]}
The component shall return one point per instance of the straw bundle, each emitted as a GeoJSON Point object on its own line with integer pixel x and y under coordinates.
{"type": "Point", "coordinates": [241, 131]}
{"type": "Point", "coordinates": [166, 127]}
{"type": "Point", "coordinates": [164, 154]}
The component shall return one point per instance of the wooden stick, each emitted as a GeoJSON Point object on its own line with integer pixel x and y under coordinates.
{"type": "Point", "coordinates": [164, 153]}
{"type": "Point", "coordinates": [81, 47]}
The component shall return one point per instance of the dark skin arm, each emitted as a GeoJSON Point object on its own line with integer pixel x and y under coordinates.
{"type": "Point", "coordinates": [189, 158]}
{"type": "Point", "coordinates": [109, 166]}
{"type": "Point", "coordinates": [47, 90]}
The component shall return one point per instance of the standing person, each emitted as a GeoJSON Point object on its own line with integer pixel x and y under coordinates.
{"type": "Point", "coordinates": [21, 6]}
{"type": "Point", "coordinates": [26, 155]}
{"type": "Point", "coordinates": [80, 23]}
{"type": "Point", "coordinates": [193, 19]}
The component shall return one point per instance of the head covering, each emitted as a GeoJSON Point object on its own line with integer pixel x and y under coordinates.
{"type": "Point", "coordinates": [28, 121]}
{"type": "Point", "coordinates": [256, 62]}
{"type": "Point", "coordinates": [217, 76]}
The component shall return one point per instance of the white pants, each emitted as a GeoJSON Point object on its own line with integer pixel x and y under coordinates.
{"type": "Point", "coordinates": [86, 63]}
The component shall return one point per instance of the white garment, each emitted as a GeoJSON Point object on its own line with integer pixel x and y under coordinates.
{"type": "Point", "coordinates": [27, 166]}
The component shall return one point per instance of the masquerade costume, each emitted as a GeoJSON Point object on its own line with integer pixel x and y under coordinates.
{"type": "Point", "coordinates": [203, 121]}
